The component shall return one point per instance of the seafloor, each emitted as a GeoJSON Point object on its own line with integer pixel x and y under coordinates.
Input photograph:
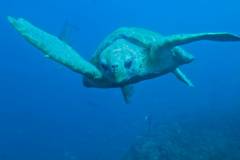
{"type": "Point", "coordinates": [187, 141]}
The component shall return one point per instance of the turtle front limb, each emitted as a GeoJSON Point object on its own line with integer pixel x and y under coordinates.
{"type": "Point", "coordinates": [181, 39]}
{"type": "Point", "coordinates": [54, 48]}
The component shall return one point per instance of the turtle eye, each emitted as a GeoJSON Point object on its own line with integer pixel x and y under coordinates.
{"type": "Point", "coordinates": [128, 63]}
{"type": "Point", "coordinates": [104, 66]}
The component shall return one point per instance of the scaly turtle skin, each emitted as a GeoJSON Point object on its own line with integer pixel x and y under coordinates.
{"type": "Point", "coordinates": [125, 57]}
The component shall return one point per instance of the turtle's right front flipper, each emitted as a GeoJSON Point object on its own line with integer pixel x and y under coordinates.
{"type": "Point", "coordinates": [54, 48]}
{"type": "Point", "coordinates": [181, 39]}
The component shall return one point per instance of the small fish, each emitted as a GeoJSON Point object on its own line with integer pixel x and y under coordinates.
{"type": "Point", "coordinates": [67, 32]}
{"type": "Point", "coordinates": [149, 123]}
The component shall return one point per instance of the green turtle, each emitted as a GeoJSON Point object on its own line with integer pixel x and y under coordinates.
{"type": "Point", "coordinates": [127, 56]}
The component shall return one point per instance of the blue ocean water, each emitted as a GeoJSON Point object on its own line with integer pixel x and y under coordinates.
{"type": "Point", "coordinates": [46, 112]}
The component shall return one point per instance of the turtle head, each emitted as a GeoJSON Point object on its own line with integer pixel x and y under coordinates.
{"type": "Point", "coordinates": [117, 64]}
{"type": "Point", "coordinates": [117, 67]}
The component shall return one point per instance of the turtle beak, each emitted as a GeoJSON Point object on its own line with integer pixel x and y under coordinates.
{"type": "Point", "coordinates": [114, 71]}
{"type": "Point", "coordinates": [118, 79]}
{"type": "Point", "coordinates": [117, 76]}
{"type": "Point", "coordinates": [114, 68]}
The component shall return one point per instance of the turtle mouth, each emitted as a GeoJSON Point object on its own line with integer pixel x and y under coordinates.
{"type": "Point", "coordinates": [116, 77]}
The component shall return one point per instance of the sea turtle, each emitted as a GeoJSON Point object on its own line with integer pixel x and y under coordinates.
{"type": "Point", "coordinates": [127, 56]}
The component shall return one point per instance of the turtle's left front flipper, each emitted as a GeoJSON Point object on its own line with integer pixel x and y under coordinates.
{"type": "Point", "coordinates": [54, 48]}
{"type": "Point", "coordinates": [181, 39]}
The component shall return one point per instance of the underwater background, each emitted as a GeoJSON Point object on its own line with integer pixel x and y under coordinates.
{"type": "Point", "coordinates": [46, 112]}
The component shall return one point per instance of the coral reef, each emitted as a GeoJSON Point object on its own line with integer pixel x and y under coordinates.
{"type": "Point", "coordinates": [181, 142]}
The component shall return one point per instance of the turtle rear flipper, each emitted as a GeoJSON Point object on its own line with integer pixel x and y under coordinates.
{"type": "Point", "coordinates": [182, 56]}
{"type": "Point", "coordinates": [182, 77]}
{"type": "Point", "coordinates": [181, 39]}
{"type": "Point", "coordinates": [54, 48]}
{"type": "Point", "coordinates": [127, 92]}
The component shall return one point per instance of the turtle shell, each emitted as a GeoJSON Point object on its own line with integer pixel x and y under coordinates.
{"type": "Point", "coordinates": [138, 36]}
